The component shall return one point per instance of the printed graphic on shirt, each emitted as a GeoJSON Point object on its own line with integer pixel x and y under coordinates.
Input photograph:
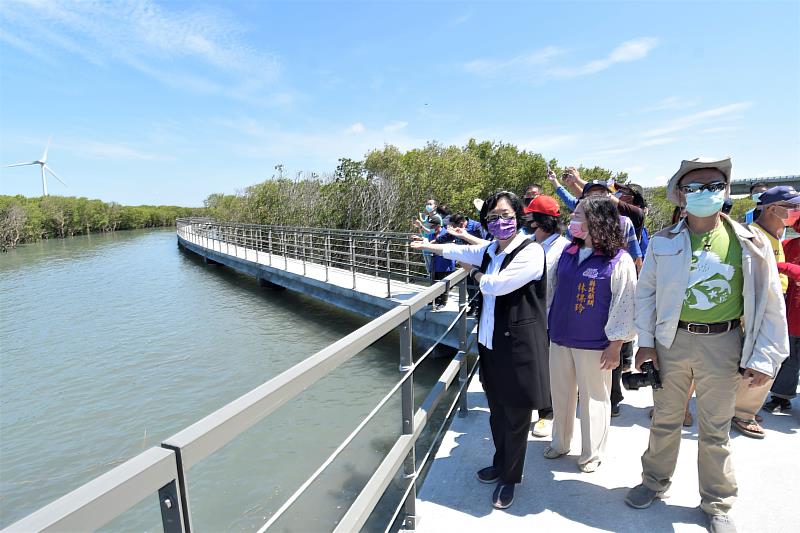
{"type": "Point", "coordinates": [714, 292]}
{"type": "Point", "coordinates": [709, 281]}
{"type": "Point", "coordinates": [591, 273]}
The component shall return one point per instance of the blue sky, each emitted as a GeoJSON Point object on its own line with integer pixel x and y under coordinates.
{"type": "Point", "coordinates": [166, 103]}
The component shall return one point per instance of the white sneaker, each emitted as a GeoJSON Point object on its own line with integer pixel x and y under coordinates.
{"type": "Point", "coordinates": [542, 428]}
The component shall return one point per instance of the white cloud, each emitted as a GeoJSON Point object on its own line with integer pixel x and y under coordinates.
{"type": "Point", "coordinates": [461, 19]}
{"type": "Point", "coordinates": [689, 121]}
{"type": "Point", "coordinates": [624, 53]}
{"type": "Point", "coordinates": [357, 128]}
{"type": "Point", "coordinates": [147, 37]}
{"type": "Point", "coordinates": [538, 65]}
{"type": "Point", "coordinates": [720, 129]}
{"type": "Point", "coordinates": [395, 126]}
{"type": "Point", "coordinates": [672, 103]}
{"type": "Point", "coordinates": [635, 146]}
{"type": "Point", "coordinates": [522, 64]}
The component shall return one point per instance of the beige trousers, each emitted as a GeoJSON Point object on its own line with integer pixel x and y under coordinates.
{"type": "Point", "coordinates": [749, 400]}
{"type": "Point", "coordinates": [573, 371]}
{"type": "Point", "coordinates": [713, 362]}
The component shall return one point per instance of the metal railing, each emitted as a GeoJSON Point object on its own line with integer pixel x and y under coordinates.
{"type": "Point", "coordinates": [384, 255]}
{"type": "Point", "coordinates": [163, 470]}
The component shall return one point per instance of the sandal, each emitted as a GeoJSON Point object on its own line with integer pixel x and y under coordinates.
{"type": "Point", "coordinates": [748, 428]}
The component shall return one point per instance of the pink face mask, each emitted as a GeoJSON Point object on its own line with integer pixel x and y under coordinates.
{"type": "Point", "coordinates": [576, 230]}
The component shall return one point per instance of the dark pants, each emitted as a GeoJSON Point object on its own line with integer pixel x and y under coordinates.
{"type": "Point", "coordinates": [785, 385]}
{"type": "Point", "coordinates": [441, 300]}
{"type": "Point", "coordinates": [510, 426]}
{"type": "Point", "coordinates": [625, 358]}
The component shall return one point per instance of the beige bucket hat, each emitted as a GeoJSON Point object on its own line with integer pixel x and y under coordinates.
{"type": "Point", "coordinates": [687, 165]}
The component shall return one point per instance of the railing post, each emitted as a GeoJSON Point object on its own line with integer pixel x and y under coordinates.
{"type": "Point", "coordinates": [269, 246]}
{"type": "Point", "coordinates": [327, 253]}
{"type": "Point", "coordinates": [353, 260]}
{"type": "Point", "coordinates": [304, 253]}
{"type": "Point", "coordinates": [388, 268]}
{"type": "Point", "coordinates": [285, 251]}
{"type": "Point", "coordinates": [407, 403]}
{"type": "Point", "coordinates": [462, 344]}
{"type": "Point", "coordinates": [408, 265]}
{"type": "Point", "coordinates": [169, 503]}
{"type": "Point", "coordinates": [376, 257]}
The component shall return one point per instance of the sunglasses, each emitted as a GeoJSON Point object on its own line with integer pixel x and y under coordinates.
{"type": "Point", "coordinates": [714, 186]}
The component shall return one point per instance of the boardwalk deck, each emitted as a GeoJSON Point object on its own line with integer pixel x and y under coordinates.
{"type": "Point", "coordinates": [368, 295]}
{"type": "Point", "coordinates": [556, 496]}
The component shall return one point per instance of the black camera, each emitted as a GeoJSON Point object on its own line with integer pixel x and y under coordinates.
{"type": "Point", "coordinates": [648, 378]}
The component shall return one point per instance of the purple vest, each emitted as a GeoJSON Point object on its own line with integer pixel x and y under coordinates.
{"type": "Point", "coordinates": [579, 311]}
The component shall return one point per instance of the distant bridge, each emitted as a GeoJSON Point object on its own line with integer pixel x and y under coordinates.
{"type": "Point", "coordinates": [742, 186]}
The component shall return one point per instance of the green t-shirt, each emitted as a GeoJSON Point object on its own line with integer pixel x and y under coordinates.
{"type": "Point", "coordinates": [714, 293]}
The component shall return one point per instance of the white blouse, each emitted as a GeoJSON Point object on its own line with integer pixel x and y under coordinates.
{"type": "Point", "coordinates": [527, 266]}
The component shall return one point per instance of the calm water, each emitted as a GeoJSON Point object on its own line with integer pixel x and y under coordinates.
{"type": "Point", "coordinates": [112, 343]}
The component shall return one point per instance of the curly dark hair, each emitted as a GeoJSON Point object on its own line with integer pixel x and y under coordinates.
{"type": "Point", "coordinates": [491, 203]}
{"type": "Point", "coordinates": [602, 218]}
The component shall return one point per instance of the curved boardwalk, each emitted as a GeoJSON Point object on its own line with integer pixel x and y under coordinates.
{"type": "Point", "coordinates": [556, 496]}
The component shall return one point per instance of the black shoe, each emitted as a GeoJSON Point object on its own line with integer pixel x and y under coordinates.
{"type": "Point", "coordinates": [777, 405]}
{"type": "Point", "coordinates": [503, 495]}
{"type": "Point", "coordinates": [487, 475]}
{"type": "Point", "coordinates": [615, 410]}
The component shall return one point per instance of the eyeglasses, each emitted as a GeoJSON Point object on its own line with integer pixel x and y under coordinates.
{"type": "Point", "coordinates": [714, 186]}
{"type": "Point", "coordinates": [504, 216]}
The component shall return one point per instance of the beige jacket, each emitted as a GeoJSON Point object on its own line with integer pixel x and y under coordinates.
{"type": "Point", "coordinates": [665, 276]}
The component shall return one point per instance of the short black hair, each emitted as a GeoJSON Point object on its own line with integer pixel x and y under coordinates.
{"type": "Point", "coordinates": [758, 184]}
{"type": "Point", "coordinates": [491, 203]}
{"type": "Point", "coordinates": [638, 194]}
{"type": "Point", "coordinates": [534, 185]}
{"type": "Point", "coordinates": [457, 219]}
{"type": "Point", "coordinates": [547, 223]}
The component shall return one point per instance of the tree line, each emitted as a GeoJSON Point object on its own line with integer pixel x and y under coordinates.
{"type": "Point", "coordinates": [386, 189]}
{"type": "Point", "coordinates": [382, 192]}
{"type": "Point", "coordinates": [25, 220]}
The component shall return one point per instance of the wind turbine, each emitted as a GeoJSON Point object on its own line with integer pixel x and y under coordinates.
{"type": "Point", "coordinates": [43, 165]}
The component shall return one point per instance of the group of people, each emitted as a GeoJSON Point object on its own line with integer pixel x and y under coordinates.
{"type": "Point", "coordinates": [705, 300]}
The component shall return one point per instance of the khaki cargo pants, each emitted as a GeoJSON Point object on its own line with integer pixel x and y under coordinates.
{"type": "Point", "coordinates": [713, 362]}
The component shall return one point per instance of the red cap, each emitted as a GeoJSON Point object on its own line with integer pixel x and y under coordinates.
{"type": "Point", "coordinates": [543, 204]}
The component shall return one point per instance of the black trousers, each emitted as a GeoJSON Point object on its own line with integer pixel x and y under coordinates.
{"type": "Point", "coordinates": [441, 300]}
{"type": "Point", "coordinates": [510, 427]}
{"type": "Point", "coordinates": [625, 357]}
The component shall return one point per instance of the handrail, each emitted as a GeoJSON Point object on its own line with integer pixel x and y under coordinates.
{"type": "Point", "coordinates": [164, 469]}
{"type": "Point", "coordinates": [99, 501]}
{"type": "Point", "coordinates": [363, 254]}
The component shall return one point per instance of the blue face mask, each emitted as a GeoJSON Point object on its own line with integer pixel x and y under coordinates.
{"type": "Point", "coordinates": [429, 208]}
{"type": "Point", "coordinates": [755, 196]}
{"type": "Point", "coordinates": [704, 203]}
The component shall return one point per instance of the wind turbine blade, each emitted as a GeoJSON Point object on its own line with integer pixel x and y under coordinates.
{"type": "Point", "coordinates": [46, 148]}
{"type": "Point", "coordinates": [50, 170]}
{"type": "Point", "coordinates": [23, 164]}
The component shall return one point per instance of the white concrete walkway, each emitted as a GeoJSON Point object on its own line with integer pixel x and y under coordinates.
{"type": "Point", "coordinates": [556, 496]}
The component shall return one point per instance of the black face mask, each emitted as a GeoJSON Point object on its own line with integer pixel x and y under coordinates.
{"type": "Point", "coordinates": [527, 199]}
